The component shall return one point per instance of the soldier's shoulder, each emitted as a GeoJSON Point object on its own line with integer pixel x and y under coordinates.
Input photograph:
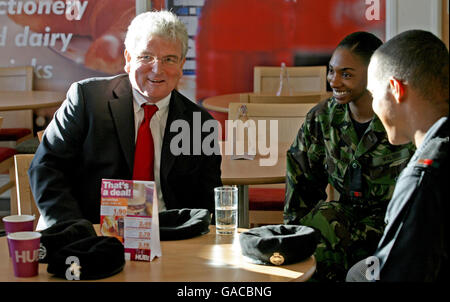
{"type": "Point", "coordinates": [434, 154]}
{"type": "Point", "coordinates": [436, 149]}
{"type": "Point", "coordinates": [323, 108]}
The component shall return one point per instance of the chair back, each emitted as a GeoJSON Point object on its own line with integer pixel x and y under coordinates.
{"type": "Point", "coordinates": [40, 134]}
{"type": "Point", "coordinates": [301, 78]}
{"type": "Point", "coordinates": [7, 164]}
{"type": "Point", "coordinates": [17, 79]}
{"type": "Point", "coordinates": [25, 200]}
{"type": "Point", "coordinates": [290, 117]}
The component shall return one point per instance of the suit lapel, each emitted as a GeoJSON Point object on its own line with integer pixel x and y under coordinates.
{"type": "Point", "coordinates": [122, 113]}
{"type": "Point", "coordinates": [176, 111]}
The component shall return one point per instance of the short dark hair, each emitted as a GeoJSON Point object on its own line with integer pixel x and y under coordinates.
{"type": "Point", "coordinates": [419, 58]}
{"type": "Point", "coordinates": [362, 44]}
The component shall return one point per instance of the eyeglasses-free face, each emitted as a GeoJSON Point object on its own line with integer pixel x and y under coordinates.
{"type": "Point", "coordinates": [155, 67]}
{"type": "Point", "coordinates": [347, 76]}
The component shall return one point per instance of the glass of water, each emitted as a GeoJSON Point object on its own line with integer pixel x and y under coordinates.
{"type": "Point", "coordinates": [226, 199]}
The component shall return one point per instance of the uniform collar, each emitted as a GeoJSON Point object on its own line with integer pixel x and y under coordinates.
{"type": "Point", "coordinates": [432, 132]}
{"type": "Point", "coordinates": [340, 119]}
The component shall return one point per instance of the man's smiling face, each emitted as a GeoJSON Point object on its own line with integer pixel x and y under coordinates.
{"type": "Point", "coordinates": [155, 67]}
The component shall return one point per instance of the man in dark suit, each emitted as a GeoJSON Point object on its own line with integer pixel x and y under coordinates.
{"type": "Point", "coordinates": [93, 134]}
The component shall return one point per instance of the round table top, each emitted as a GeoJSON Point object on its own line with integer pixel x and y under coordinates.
{"type": "Point", "coordinates": [219, 103]}
{"type": "Point", "coordinates": [23, 100]}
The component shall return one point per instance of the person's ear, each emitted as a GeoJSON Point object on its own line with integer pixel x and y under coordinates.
{"type": "Point", "coordinates": [127, 56]}
{"type": "Point", "coordinates": [398, 89]}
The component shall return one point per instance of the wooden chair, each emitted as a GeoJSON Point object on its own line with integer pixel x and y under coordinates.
{"type": "Point", "coordinates": [266, 203]}
{"type": "Point", "coordinates": [25, 203]}
{"type": "Point", "coordinates": [301, 78]}
{"type": "Point", "coordinates": [17, 125]}
{"type": "Point", "coordinates": [289, 116]}
{"type": "Point", "coordinates": [308, 85]}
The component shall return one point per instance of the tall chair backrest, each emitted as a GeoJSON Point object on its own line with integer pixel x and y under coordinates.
{"type": "Point", "coordinates": [290, 117]}
{"type": "Point", "coordinates": [17, 79]}
{"type": "Point", "coordinates": [301, 78]}
{"type": "Point", "coordinates": [25, 200]}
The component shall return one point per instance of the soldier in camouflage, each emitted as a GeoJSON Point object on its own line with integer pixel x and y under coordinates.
{"type": "Point", "coordinates": [343, 143]}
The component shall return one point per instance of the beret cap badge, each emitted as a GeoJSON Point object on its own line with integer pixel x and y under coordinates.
{"type": "Point", "coordinates": [276, 259]}
{"type": "Point", "coordinates": [278, 244]}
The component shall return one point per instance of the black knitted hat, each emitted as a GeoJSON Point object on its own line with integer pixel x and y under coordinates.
{"type": "Point", "coordinates": [62, 234]}
{"type": "Point", "coordinates": [278, 244]}
{"type": "Point", "coordinates": [88, 259]}
{"type": "Point", "coordinates": [183, 223]}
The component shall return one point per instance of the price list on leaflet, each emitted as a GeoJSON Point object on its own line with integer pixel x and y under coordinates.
{"type": "Point", "coordinates": [137, 237]}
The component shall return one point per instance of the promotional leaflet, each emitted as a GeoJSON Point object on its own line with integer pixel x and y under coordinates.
{"type": "Point", "coordinates": [126, 212]}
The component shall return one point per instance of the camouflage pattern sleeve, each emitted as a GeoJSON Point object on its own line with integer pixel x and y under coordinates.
{"type": "Point", "coordinates": [306, 177]}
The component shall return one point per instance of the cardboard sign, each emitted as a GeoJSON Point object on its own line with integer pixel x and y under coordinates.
{"type": "Point", "coordinates": [126, 212]}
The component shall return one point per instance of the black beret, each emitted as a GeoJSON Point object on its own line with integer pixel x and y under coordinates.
{"type": "Point", "coordinates": [183, 223]}
{"type": "Point", "coordinates": [62, 234]}
{"type": "Point", "coordinates": [278, 244]}
{"type": "Point", "coordinates": [89, 258]}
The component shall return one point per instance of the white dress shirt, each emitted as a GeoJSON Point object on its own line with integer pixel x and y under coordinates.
{"type": "Point", "coordinates": [157, 126]}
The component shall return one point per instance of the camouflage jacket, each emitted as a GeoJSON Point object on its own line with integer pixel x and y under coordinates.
{"type": "Point", "coordinates": [327, 150]}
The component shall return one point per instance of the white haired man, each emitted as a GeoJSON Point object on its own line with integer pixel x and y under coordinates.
{"type": "Point", "coordinates": [94, 134]}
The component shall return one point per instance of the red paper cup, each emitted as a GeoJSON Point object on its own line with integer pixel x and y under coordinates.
{"type": "Point", "coordinates": [18, 223]}
{"type": "Point", "coordinates": [25, 253]}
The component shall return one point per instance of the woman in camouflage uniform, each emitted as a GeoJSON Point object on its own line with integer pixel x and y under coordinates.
{"type": "Point", "coordinates": [343, 143]}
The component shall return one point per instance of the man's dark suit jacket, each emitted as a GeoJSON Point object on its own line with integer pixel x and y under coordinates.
{"type": "Point", "coordinates": [92, 136]}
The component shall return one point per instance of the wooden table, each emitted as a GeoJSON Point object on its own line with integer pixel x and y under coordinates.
{"type": "Point", "coordinates": [205, 258]}
{"type": "Point", "coordinates": [219, 103]}
{"type": "Point", "coordinates": [249, 172]}
{"type": "Point", "coordinates": [23, 100]}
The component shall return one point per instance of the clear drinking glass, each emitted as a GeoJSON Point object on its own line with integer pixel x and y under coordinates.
{"type": "Point", "coordinates": [226, 199]}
